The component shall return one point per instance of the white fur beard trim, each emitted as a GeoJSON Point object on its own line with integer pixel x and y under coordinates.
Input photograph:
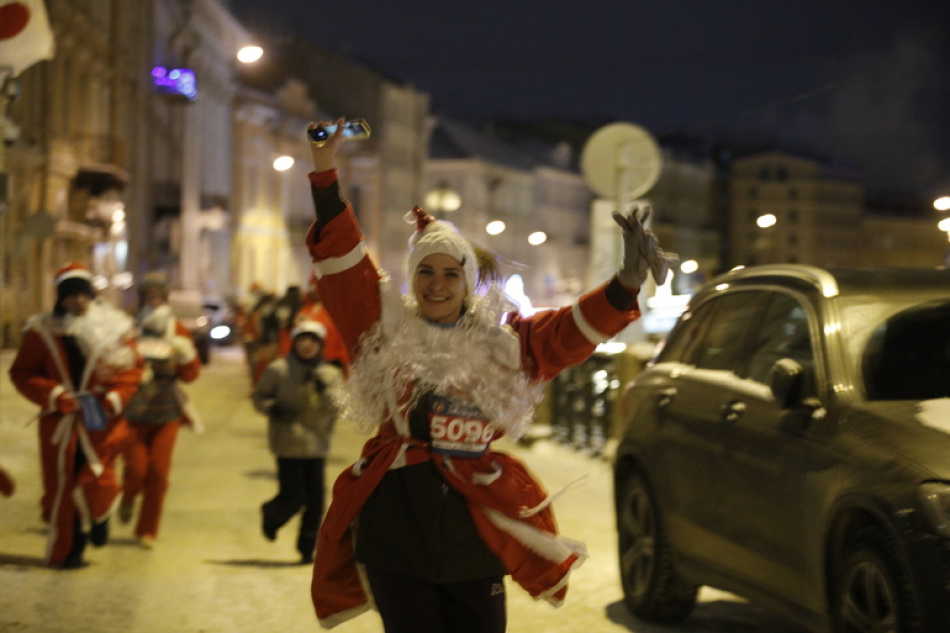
{"type": "Point", "coordinates": [470, 360]}
{"type": "Point", "coordinates": [103, 330]}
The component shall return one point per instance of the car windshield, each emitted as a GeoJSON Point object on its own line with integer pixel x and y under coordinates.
{"type": "Point", "coordinates": [902, 349]}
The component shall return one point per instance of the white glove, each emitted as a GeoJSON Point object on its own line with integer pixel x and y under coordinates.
{"type": "Point", "coordinates": [641, 250]}
{"type": "Point", "coordinates": [185, 349]}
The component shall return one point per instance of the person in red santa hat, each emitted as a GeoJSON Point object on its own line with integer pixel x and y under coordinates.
{"type": "Point", "coordinates": [79, 364]}
{"type": "Point", "coordinates": [159, 407]}
{"type": "Point", "coordinates": [442, 517]}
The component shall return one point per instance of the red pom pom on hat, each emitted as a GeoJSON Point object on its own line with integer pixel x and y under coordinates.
{"type": "Point", "coordinates": [422, 218]}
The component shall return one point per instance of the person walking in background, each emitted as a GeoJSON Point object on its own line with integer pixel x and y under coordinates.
{"type": "Point", "coordinates": [287, 308]}
{"type": "Point", "coordinates": [441, 517]}
{"type": "Point", "coordinates": [296, 394]}
{"type": "Point", "coordinates": [267, 331]}
{"type": "Point", "coordinates": [79, 364]}
{"type": "Point", "coordinates": [159, 407]}
{"type": "Point", "coordinates": [312, 309]}
{"type": "Point", "coordinates": [245, 319]}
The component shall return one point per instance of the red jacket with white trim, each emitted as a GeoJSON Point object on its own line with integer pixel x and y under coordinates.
{"type": "Point", "coordinates": [500, 491]}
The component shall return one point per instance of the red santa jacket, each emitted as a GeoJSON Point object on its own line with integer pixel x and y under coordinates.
{"type": "Point", "coordinates": [40, 373]}
{"type": "Point", "coordinates": [508, 505]}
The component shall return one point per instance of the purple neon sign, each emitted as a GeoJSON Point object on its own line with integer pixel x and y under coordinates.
{"type": "Point", "coordinates": [176, 81]}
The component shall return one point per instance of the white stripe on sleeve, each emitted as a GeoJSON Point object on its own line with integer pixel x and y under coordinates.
{"type": "Point", "coordinates": [586, 328]}
{"type": "Point", "coordinates": [333, 265]}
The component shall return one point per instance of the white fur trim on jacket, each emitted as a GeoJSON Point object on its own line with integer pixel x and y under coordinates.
{"type": "Point", "coordinates": [58, 389]}
{"type": "Point", "coordinates": [588, 330]}
{"type": "Point", "coordinates": [333, 265]}
{"type": "Point", "coordinates": [116, 401]}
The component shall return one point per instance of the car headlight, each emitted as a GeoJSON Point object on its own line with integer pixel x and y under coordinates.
{"type": "Point", "coordinates": [935, 496]}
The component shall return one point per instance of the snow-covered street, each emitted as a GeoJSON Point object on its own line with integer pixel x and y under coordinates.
{"type": "Point", "coordinates": [213, 572]}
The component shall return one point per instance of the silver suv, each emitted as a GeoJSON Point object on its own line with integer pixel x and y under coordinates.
{"type": "Point", "coordinates": [789, 443]}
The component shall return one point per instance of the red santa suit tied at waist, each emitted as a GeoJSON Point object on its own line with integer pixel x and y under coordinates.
{"type": "Point", "coordinates": [42, 372]}
{"type": "Point", "coordinates": [397, 356]}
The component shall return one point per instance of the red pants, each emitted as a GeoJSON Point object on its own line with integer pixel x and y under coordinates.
{"type": "Point", "coordinates": [148, 461]}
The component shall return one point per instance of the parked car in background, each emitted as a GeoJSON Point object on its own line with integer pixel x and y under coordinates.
{"type": "Point", "coordinates": [221, 321]}
{"type": "Point", "coordinates": [789, 443]}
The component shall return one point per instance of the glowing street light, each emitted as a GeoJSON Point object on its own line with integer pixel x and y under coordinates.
{"type": "Point", "coordinates": [944, 225]}
{"type": "Point", "coordinates": [495, 227]}
{"type": "Point", "coordinates": [537, 238]}
{"type": "Point", "coordinates": [443, 199]}
{"type": "Point", "coordinates": [942, 204]}
{"type": "Point", "coordinates": [250, 54]}
{"type": "Point", "coordinates": [283, 163]}
{"type": "Point", "coordinates": [766, 221]}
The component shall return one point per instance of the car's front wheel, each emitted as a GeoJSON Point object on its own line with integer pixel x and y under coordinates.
{"type": "Point", "coordinates": [875, 594]}
{"type": "Point", "coordinates": [652, 588]}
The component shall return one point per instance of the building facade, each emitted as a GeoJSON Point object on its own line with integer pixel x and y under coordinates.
{"type": "Point", "coordinates": [76, 170]}
{"type": "Point", "coordinates": [786, 209]}
{"type": "Point", "coordinates": [528, 189]}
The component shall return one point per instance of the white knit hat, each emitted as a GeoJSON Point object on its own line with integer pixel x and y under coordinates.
{"type": "Point", "coordinates": [309, 327]}
{"type": "Point", "coordinates": [438, 236]}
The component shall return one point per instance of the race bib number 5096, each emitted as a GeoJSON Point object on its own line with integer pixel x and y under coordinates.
{"type": "Point", "coordinates": [460, 435]}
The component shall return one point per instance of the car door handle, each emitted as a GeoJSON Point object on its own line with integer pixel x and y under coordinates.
{"type": "Point", "coordinates": [732, 411]}
{"type": "Point", "coordinates": [666, 396]}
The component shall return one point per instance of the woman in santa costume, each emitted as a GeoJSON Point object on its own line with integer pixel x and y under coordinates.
{"type": "Point", "coordinates": [159, 408]}
{"type": "Point", "coordinates": [431, 518]}
{"type": "Point", "coordinates": [78, 363]}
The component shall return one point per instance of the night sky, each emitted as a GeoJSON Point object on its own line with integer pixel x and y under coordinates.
{"type": "Point", "coordinates": [864, 82]}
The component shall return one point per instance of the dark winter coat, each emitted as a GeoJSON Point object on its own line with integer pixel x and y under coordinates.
{"type": "Point", "coordinates": [298, 401]}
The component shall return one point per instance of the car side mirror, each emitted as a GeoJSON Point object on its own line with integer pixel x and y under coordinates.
{"type": "Point", "coordinates": [787, 380]}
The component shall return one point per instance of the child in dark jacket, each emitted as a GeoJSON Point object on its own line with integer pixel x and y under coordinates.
{"type": "Point", "coordinates": [296, 394]}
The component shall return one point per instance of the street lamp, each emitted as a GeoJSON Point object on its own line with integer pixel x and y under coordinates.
{"type": "Point", "coordinates": [250, 54]}
{"type": "Point", "coordinates": [443, 199]}
{"type": "Point", "coordinates": [495, 227]}
{"type": "Point", "coordinates": [537, 238]}
{"type": "Point", "coordinates": [942, 203]}
{"type": "Point", "coordinates": [283, 163]}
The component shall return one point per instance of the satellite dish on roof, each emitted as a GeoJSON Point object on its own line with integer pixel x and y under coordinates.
{"type": "Point", "coordinates": [621, 161]}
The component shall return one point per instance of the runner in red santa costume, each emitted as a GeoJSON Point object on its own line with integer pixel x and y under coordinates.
{"type": "Point", "coordinates": [159, 407]}
{"type": "Point", "coordinates": [78, 363]}
{"type": "Point", "coordinates": [441, 517]}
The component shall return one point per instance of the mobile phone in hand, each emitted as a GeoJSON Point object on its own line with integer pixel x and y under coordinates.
{"type": "Point", "coordinates": [354, 130]}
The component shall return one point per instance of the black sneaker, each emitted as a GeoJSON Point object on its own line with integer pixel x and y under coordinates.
{"type": "Point", "coordinates": [306, 545]}
{"type": "Point", "coordinates": [270, 532]}
{"type": "Point", "coordinates": [99, 535]}
{"type": "Point", "coordinates": [74, 559]}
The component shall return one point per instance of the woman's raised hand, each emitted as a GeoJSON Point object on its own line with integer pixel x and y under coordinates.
{"type": "Point", "coordinates": [324, 154]}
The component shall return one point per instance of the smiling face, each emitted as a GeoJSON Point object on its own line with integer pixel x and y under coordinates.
{"type": "Point", "coordinates": [438, 284]}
